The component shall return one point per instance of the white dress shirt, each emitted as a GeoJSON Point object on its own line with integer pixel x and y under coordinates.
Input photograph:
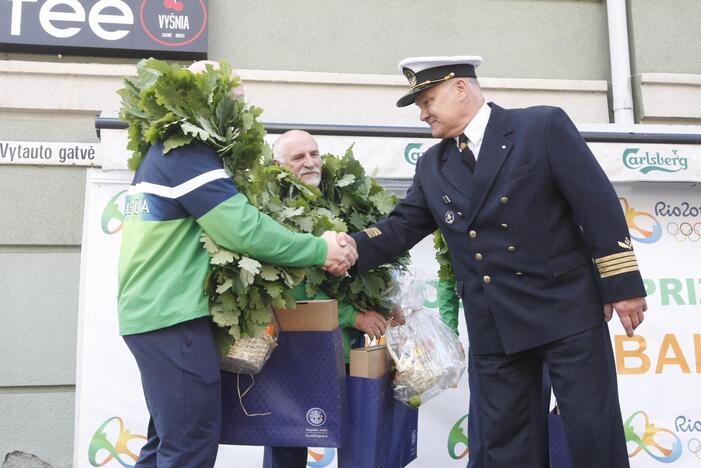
{"type": "Point", "coordinates": [475, 130]}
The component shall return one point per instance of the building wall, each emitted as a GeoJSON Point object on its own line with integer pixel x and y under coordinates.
{"type": "Point", "coordinates": [518, 39]}
{"type": "Point", "coordinates": [344, 54]}
{"type": "Point", "coordinates": [40, 235]}
{"type": "Point", "coordinates": [666, 61]}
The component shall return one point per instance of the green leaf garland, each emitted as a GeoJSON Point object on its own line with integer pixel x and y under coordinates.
{"type": "Point", "coordinates": [445, 267]}
{"type": "Point", "coordinates": [166, 102]}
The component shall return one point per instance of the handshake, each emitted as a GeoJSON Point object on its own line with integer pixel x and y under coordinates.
{"type": "Point", "coordinates": [341, 252]}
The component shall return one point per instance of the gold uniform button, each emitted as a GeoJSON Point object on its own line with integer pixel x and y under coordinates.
{"type": "Point", "coordinates": [504, 226]}
{"type": "Point", "coordinates": [486, 279]}
{"type": "Point", "coordinates": [472, 234]}
{"type": "Point", "coordinates": [478, 257]}
{"type": "Point", "coordinates": [504, 200]}
{"type": "Point", "coordinates": [511, 248]}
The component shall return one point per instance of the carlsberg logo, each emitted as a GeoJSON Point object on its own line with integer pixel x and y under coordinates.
{"type": "Point", "coordinates": [648, 162]}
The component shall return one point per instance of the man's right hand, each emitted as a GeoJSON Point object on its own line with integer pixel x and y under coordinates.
{"type": "Point", "coordinates": [372, 323]}
{"type": "Point", "coordinates": [631, 312]}
{"type": "Point", "coordinates": [341, 253]}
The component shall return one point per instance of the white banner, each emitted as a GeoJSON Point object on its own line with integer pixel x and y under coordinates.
{"type": "Point", "coordinates": [44, 153]}
{"type": "Point", "coordinates": [658, 369]}
{"type": "Point", "coordinates": [622, 162]}
{"type": "Point", "coordinates": [111, 416]}
{"type": "Point", "coordinates": [649, 162]}
{"type": "Point", "coordinates": [396, 157]}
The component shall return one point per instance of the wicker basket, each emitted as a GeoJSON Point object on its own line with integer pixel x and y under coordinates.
{"type": "Point", "coordinates": [248, 354]}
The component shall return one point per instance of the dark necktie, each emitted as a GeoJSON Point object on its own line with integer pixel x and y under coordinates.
{"type": "Point", "coordinates": [466, 152]}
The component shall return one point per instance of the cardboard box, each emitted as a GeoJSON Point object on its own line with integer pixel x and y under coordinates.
{"type": "Point", "coordinates": [371, 362]}
{"type": "Point", "coordinates": [321, 315]}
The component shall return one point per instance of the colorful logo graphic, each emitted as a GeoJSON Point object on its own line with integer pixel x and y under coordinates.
{"type": "Point", "coordinates": [112, 215]}
{"type": "Point", "coordinates": [320, 457]}
{"type": "Point", "coordinates": [316, 417]}
{"type": "Point", "coordinates": [643, 227]}
{"type": "Point", "coordinates": [649, 162]}
{"type": "Point", "coordinates": [458, 437]}
{"type": "Point", "coordinates": [412, 153]}
{"type": "Point", "coordinates": [113, 430]}
{"type": "Point", "coordinates": [659, 443]}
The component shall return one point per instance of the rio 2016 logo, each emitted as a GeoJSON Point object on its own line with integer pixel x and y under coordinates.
{"type": "Point", "coordinates": [643, 227]}
{"type": "Point", "coordinates": [686, 228]}
{"type": "Point", "coordinates": [412, 153]}
{"type": "Point", "coordinates": [112, 215]}
{"type": "Point", "coordinates": [458, 437]}
{"type": "Point", "coordinates": [659, 443]}
{"type": "Point", "coordinates": [320, 457]}
{"type": "Point", "coordinates": [113, 438]}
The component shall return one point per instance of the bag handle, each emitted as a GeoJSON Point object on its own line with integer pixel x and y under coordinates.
{"type": "Point", "coordinates": [270, 329]}
{"type": "Point", "coordinates": [242, 395]}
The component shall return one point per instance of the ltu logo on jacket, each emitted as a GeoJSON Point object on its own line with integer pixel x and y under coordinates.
{"type": "Point", "coordinates": [648, 162]}
{"type": "Point", "coordinates": [111, 441]}
{"type": "Point", "coordinates": [643, 227]}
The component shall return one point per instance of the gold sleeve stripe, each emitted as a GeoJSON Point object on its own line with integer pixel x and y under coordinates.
{"type": "Point", "coordinates": [608, 258]}
{"type": "Point", "coordinates": [616, 262]}
{"type": "Point", "coordinates": [373, 232]}
{"type": "Point", "coordinates": [618, 272]}
{"type": "Point", "coordinates": [620, 266]}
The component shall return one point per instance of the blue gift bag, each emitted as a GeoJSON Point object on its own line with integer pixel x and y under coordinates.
{"type": "Point", "coordinates": [297, 400]}
{"type": "Point", "coordinates": [382, 432]}
{"type": "Point", "coordinates": [405, 428]}
{"type": "Point", "coordinates": [559, 454]}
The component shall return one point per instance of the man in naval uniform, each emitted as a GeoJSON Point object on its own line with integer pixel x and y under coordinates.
{"type": "Point", "coordinates": [541, 254]}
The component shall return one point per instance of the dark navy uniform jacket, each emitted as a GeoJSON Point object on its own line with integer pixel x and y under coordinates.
{"type": "Point", "coordinates": [536, 235]}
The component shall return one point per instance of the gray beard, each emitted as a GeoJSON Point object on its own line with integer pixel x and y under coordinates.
{"type": "Point", "coordinates": [312, 179]}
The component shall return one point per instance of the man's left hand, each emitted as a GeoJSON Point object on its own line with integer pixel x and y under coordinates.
{"type": "Point", "coordinates": [396, 317]}
{"type": "Point", "coordinates": [630, 311]}
{"type": "Point", "coordinates": [371, 323]}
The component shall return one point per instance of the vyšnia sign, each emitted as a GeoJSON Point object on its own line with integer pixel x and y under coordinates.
{"type": "Point", "coordinates": [160, 28]}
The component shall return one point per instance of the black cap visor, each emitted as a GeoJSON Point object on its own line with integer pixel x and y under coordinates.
{"type": "Point", "coordinates": [433, 76]}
